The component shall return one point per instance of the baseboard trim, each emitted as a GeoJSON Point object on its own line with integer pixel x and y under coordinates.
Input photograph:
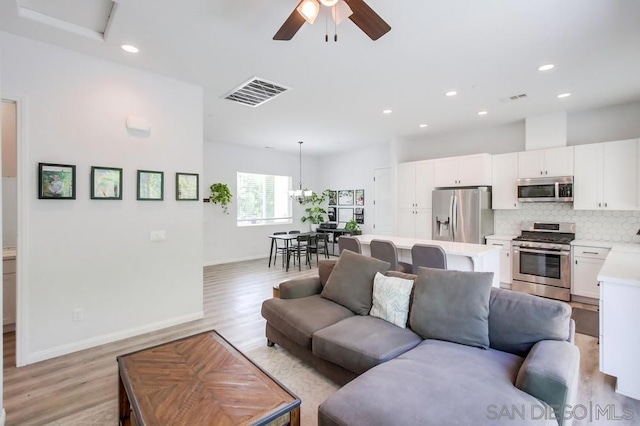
{"type": "Point", "coordinates": [3, 417]}
{"type": "Point", "coordinates": [109, 338]}
{"type": "Point", "coordinates": [234, 259]}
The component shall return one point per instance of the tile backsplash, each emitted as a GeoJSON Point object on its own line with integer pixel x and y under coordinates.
{"type": "Point", "coordinates": [594, 225]}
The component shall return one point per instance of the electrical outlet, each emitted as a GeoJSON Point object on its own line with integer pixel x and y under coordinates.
{"type": "Point", "coordinates": [77, 314]}
{"type": "Point", "coordinates": [157, 235]}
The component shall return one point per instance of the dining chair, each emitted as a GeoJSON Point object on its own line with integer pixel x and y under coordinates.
{"type": "Point", "coordinates": [349, 243]}
{"type": "Point", "coordinates": [318, 244]}
{"type": "Point", "coordinates": [298, 250]}
{"type": "Point", "coordinates": [428, 256]}
{"type": "Point", "coordinates": [387, 251]}
{"type": "Point", "coordinates": [281, 247]}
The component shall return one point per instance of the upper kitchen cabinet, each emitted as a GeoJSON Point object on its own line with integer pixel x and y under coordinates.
{"type": "Point", "coordinates": [467, 170]}
{"type": "Point", "coordinates": [504, 195]}
{"type": "Point", "coordinates": [606, 176]}
{"type": "Point", "coordinates": [415, 184]}
{"type": "Point", "coordinates": [552, 162]}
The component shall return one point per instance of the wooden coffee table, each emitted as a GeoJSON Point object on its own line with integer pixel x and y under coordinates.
{"type": "Point", "coordinates": [200, 380]}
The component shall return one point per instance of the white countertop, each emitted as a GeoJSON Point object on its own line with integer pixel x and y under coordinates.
{"type": "Point", "coordinates": [618, 247]}
{"type": "Point", "coordinates": [459, 249]}
{"type": "Point", "coordinates": [621, 267]}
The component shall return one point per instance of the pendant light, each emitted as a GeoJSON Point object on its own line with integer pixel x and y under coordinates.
{"type": "Point", "coordinates": [300, 195]}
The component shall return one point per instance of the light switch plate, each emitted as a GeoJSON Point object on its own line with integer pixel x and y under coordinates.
{"type": "Point", "coordinates": [157, 235]}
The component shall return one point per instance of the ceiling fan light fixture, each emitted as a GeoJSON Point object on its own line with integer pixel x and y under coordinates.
{"type": "Point", "coordinates": [340, 12]}
{"type": "Point", "coordinates": [309, 10]}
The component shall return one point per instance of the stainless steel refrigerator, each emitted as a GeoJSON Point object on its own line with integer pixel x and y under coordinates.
{"type": "Point", "coordinates": [462, 215]}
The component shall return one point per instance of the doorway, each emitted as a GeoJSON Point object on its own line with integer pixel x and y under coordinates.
{"type": "Point", "coordinates": [382, 203]}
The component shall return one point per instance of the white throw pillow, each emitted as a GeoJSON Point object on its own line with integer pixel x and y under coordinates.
{"type": "Point", "coordinates": [391, 299]}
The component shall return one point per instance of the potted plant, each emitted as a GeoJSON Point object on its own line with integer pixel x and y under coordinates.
{"type": "Point", "coordinates": [220, 194]}
{"type": "Point", "coordinates": [352, 226]}
{"type": "Point", "coordinates": [314, 212]}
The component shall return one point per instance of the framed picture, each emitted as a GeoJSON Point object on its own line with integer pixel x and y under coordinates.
{"type": "Point", "coordinates": [333, 198]}
{"type": "Point", "coordinates": [187, 187]}
{"type": "Point", "coordinates": [359, 197]}
{"type": "Point", "coordinates": [150, 185]}
{"type": "Point", "coordinates": [56, 181]}
{"type": "Point", "coordinates": [345, 197]}
{"type": "Point", "coordinates": [106, 183]}
{"type": "Point", "coordinates": [345, 215]}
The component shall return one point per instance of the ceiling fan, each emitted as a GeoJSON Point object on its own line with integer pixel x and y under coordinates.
{"type": "Point", "coordinates": [356, 10]}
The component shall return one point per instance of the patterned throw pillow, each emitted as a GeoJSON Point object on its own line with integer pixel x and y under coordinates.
{"type": "Point", "coordinates": [391, 299]}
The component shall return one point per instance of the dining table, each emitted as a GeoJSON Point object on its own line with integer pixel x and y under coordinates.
{"type": "Point", "coordinates": [287, 238]}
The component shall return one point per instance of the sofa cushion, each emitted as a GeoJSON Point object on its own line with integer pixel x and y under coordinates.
{"type": "Point", "coordinates": [436, 383]}
{"type": "Point", "coordinates": [391, 299]}
{"type": "Point", "coordinates": [452, 305]}
{"type": "Point", "coordinates": [298, 319]}
{"type": "Point", "coordinates": [517, 320]}
{"type": "Point", "coordinates": [325, 267]}
{"type": "Point", "coordinates": [351, 282]}
{"type": "Point", "coordinates": [359, 343]}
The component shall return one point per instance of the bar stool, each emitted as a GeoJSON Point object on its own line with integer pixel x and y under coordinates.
{"type": "Point", "coordinates": [349, 243]}
{"type": "Point", "coordinates": [387, 251]}
{"type": "Point", "coordinates": [428, 256]}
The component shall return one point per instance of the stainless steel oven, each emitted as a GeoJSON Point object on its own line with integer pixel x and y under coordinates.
{"type": "Point", "coordinates": [542, 259]}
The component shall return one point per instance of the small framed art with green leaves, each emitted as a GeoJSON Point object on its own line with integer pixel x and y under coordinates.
{"type": "Point", "coordinates": [187, 187]}
{"type": "Point", "coordinates": [150, 185]}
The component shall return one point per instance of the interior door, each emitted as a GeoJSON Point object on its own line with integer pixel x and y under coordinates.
{"type": "Point", "coordinates": [382, 203]}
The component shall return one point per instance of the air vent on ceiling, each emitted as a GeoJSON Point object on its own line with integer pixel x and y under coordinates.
{"type": "Point", "coordinates": [513, 98]}
{"type": "Point", "coordinates": [255, 92]}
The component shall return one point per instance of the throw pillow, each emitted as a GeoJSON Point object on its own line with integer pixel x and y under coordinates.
{"type": "Point", "coordinates": [351, 282]}
{"type": "Point", "coordinates": [452, 306]}
{"type": "Point", "coordinates": [391, 299]}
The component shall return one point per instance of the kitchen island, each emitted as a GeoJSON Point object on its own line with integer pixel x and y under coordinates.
{"type": "Point", "coordinates": [619, 281]}
{"type": "Point", "coordinates": [460, 256]}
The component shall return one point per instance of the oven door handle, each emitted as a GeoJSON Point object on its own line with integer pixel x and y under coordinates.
{"type": "Point", "coordinates": [559, 253]}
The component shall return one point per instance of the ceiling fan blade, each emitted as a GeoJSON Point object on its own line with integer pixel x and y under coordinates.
{"type": "Point", "coordinates": [291, 26]}
{"type": "Point", "coordinates": [367, 20]}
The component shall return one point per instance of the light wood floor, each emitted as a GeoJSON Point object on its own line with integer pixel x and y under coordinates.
{"type": "Point", "coordinates": [52, 389]}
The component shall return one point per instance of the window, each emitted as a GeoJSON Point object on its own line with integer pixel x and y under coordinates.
{"type": "Point", "coordinates": [263, 199]}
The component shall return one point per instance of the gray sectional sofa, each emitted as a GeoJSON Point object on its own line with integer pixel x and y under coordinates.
{"type": "Point", "coordinates": [469, 354]}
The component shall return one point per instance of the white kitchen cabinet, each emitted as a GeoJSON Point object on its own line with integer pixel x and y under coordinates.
{"type": "Point", "coordinates": [504, 194]}
{"type": "Point", "coordinates": [587, 262]}
{"type": "Point", "coordinates": [606, 176]}
{"type": "Point", "coordinates": [415, 184]}
{"type": "Point", "coordinates": [415, 188]}
{"type": "Point", "coordinates": [9, 291]}
{"type": "Point", "coordinates": [415, 223]}
{"type": "Point", "coordinates": [505, 257]}
{"type": "Point", "coordinates": [466, 170]}
{"type": "Point", "coordinates": [551, 162]}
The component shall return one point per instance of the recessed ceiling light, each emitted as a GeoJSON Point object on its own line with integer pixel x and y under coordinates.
{"type": "Point", "coordinates": [423, 125]}
{"type": "Point", "coordinates": [564, 95]}
{"type": "Point", "coordinates": [546, 67]}
{"type": "Point", "coordinates": [386, 111]}
{"type": "Point", "coordinates": [483, 112]}
{"type": "Point", "coordinates": [129, 48]}
{"type": "Point", "coordinates": [451, 93]}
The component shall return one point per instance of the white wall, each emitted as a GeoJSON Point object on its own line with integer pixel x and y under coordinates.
{"type": "Point", "coordinates": [494, 140]}
{"type": "Point", "coordinates": [224, 241]}
{"type": "Point", "coordinates": [354, 170]}
{"type": "Point", "coordinates": [609, 123]}
{"type": "Point", "coordinates": [94, 254]}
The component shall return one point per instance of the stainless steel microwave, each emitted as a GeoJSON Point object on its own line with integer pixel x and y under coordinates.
{"type": "Point", "coordinates": [546, 190]}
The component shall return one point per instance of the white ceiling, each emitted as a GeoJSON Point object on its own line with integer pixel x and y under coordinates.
{"type": "Point", "coordinates": [486, 50]}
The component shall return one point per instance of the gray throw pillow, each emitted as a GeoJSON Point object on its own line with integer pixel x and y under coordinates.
{"type": "Point", "coordinates": [351, 281]}
{"type": "Point", "coordinates": [452, 306]}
